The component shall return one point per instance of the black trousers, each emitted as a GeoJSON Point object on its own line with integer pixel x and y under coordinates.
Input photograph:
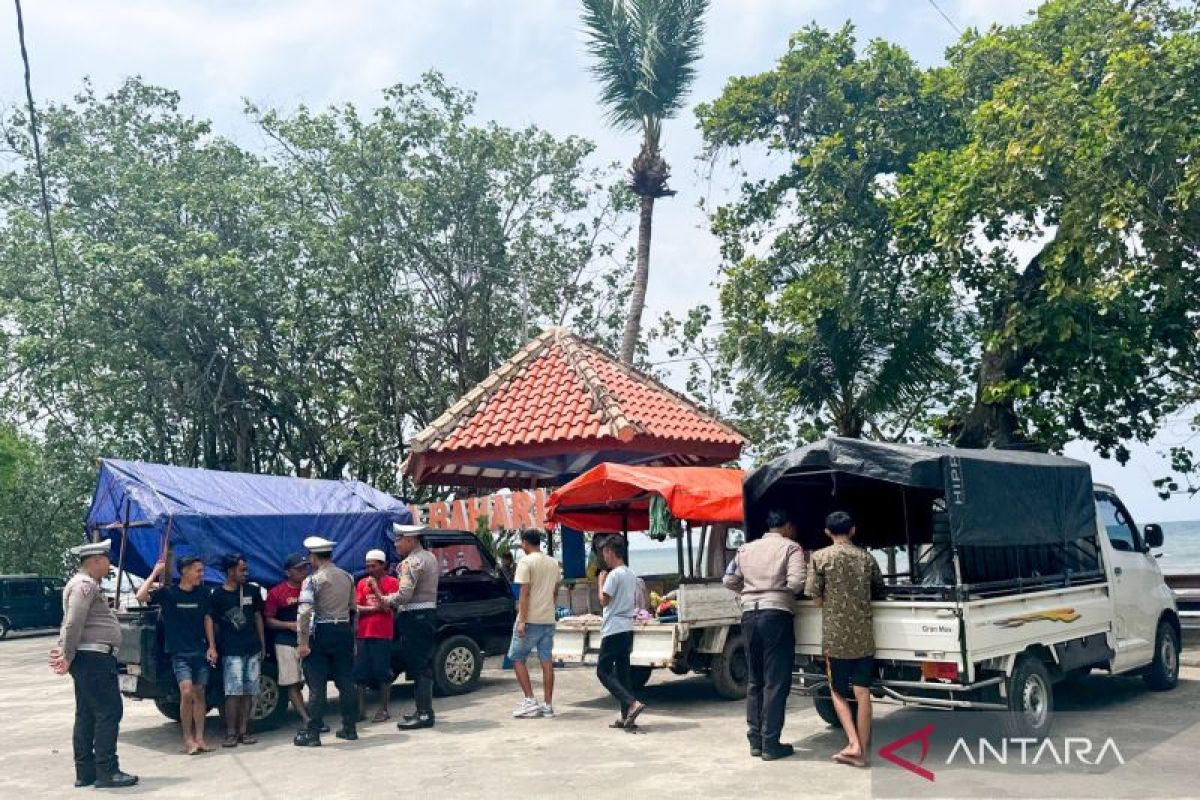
{"type": "Point", "coordinates": [612, 668]}
{"type": "Point", "coordinates": [332, 656]}
{"type": "Point", "coordinates": [418, 639]}
{"type": "Point", "coordinates": [770, 655]}
{"type": "Point", "coordinates": [98, 710]}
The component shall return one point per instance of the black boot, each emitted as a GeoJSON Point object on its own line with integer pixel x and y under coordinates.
{"type": "Point", "coordinates": [774, 751]}
{"type": "Point", "coordinates": [347, 732]}
{"type": "Point", "coordinates": [416, 721]}
{"type": "Point", "coordinates": [115, 780]}
{"type": "Point", "coordinates": [84, 780]}
{"type": "Point", "coordinates": [756, 749]}
{"type": "Point", "coordinates": [307, 738]}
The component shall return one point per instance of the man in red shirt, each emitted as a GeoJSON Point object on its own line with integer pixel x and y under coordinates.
{"type": "Point", "coordinates": [280, 613]}
{"type": "Point", "coordinates": [373, 645]}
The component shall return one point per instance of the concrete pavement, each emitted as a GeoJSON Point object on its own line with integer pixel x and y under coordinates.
{"type": "Point", "coordinates": [692, 745]}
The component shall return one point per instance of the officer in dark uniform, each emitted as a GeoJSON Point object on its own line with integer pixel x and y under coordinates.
{"type": "Point", "coordinates": [326, 642]}
{"type": "Point", "coordinates": [86, 648]}
{"type": "Point", "coordinates": [417, 621]}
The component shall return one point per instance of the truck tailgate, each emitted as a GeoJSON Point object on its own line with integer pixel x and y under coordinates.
{"type": "Point", "coordinates": [904, 630]}
{"type": "Point", "coordinates": [578, 642]}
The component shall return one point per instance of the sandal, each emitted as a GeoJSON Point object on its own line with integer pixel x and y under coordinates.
{"type": "Point", "coordinates": [381, 716]}
{"type": "Point", "coordinates": [230, 741]}
{"type": "Point", "coordinates": [631, 718]}
{"type": "Point", "coordinates": [246, 738]}
{"type": "Point", "coordinates": [617, 724]}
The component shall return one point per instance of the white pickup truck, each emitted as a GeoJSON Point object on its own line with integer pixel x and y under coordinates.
{"type": "Point", "coordinates": [1045, 579]}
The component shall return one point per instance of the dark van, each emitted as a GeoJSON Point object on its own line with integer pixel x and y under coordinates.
{"type": "Point", "coordinates": [29, 601]}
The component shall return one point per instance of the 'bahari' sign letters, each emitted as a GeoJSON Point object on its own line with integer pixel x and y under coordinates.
{"type": "Point", "coordinates": [514, 511]}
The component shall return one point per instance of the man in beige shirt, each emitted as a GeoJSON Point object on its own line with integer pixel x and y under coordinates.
{"type": "Point", "coordinates": [768, 575]}
{"type": "Point", "coordinates": [538, 575]}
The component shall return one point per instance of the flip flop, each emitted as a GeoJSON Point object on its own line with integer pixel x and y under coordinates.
{"type": "Point", "coordinates": [381, 716]}
{"type": "Point", "coordinates": [617, 724]}
{"type": "Point", "coordinates": [631, 717]}
{"type": "Point", "coordinates": [246, 738]}
{"type": "Point", "coordinates": [230, 741]}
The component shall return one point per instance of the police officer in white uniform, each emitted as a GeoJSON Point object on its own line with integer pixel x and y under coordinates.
{"type": "Point", "coordinates": [86, 649]}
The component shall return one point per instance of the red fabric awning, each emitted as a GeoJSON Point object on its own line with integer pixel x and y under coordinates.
{"type": "Point", "coordinates": [611, 497]}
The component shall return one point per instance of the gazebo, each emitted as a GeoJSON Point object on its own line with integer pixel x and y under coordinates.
{"type": "Point", "coordinates": [558, 408]}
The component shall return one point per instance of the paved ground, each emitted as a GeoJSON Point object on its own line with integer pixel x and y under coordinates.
{"type": "Point", "coordinates": [692, 745]}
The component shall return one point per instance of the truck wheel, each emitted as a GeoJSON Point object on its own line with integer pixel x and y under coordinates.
{"type": "Point", "coordinates": [823, 703]}
{"type": "Point", "coordinates": [270, 706]}
{"type": "Point", "coordinates": [1163, 672]}
{"type": "Point", "coordinates": [729, 671]}
{"type": "Point", "coordinates": [639, 677]}
{"type": "Point", "coordinates": [456, 665]}
{"type": "Point", "coordinates": [4, 628]}
{"type": "Point", "coordinates": [1030, 700]}
{"type": "Point", "coordinates": [167, 708]}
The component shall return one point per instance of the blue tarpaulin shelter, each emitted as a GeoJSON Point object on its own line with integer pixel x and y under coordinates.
{"type": "Point", "coordinates": [212, 513]}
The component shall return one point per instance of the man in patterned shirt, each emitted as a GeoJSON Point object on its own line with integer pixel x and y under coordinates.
{"type": "Point", "coordinates": [843, 578]}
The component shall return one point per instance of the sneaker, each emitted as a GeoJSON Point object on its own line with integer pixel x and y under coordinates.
{"type": "Point", "coordinates": [527, 709]}
{"type": "Point", "coordinates": [547, 710]}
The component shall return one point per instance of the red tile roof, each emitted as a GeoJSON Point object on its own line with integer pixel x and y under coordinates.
{"type": "Point", "coordinates": [559, 395]}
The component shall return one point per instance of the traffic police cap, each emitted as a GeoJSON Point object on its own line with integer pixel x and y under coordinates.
{"type": "Point", "coordinates": [399, 530]}
{"type": "Point", "coordinates": [376, 555]}
{"type": "Point", "coordinates": [83, 551]}
{"type": "Point", "coordinates": [318, 545]}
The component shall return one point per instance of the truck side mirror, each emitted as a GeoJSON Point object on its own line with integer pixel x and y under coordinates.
{"type": "Point", "coordinates": [1153, 534]}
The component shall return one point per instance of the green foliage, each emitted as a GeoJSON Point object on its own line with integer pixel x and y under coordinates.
{"type": "Point", "coordinates": [644, 56]}
{"type": "Point", "coordinates": [43, 492]}
{"type": "Point", "coordinates": [1078, 143]}
{"type": "Point", "coordinates": [821, 309]}
{"type": "Point", "coordinates": [1023, 218]}
{"type": "Point", "coordinates": [306, 310]}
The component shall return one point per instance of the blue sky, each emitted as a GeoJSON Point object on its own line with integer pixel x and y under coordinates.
{"type": "Point", "coordinates": [525, 60]}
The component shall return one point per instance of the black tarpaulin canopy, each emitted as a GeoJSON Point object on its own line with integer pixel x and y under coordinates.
{"type": "Point", "coordinates": [993, 498]}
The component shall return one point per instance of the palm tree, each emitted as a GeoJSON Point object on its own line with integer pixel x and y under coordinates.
{"type": "Point", "coordinates": [863, 356]}
{"type": "Point", "coordinates": [645, 54]}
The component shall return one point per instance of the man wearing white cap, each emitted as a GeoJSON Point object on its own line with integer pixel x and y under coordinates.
{"type": "Point", "coordinates": [326, 642]}
{"type": "Point", "coordinates": [87, 646]}
{"type": "Point", "coordinates": [417, 624]}
{"type": "Point", "coordinates": [373, 635]}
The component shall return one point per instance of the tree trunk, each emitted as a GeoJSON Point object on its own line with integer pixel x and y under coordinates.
{"type": "Point", "coordinates": [995, 423]}
{"type": "Point", "coordinates": [637, 301]}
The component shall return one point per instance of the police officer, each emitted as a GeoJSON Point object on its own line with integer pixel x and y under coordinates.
{"type": "Point", "coordinates": [87, 644]}
{"type": "Point", "coordinates": [768, 575]}
{"type": "Point", "coordinates": [326, 642]}
{"type": "Point", "coordinates": [417, 603]}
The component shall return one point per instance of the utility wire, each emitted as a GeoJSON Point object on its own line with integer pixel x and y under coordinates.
{"type": "Point", "coordinates": [946, 17]}
{"type": "Point", "coordinates": [48, 223]}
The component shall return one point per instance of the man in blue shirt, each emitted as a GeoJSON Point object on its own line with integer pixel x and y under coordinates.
{"type": "Point", "coordinates": [618, 586]}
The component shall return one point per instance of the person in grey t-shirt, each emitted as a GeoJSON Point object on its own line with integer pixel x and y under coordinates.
{"type": "Point", "coordinates": [617, 589]}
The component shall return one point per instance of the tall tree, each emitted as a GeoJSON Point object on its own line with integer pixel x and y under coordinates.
{"type": "Point", "coordinates": [1043, 183]}
{"type": "Point", "coordinates": [300, 310]}
{"type": "Point", "coordinates": [644, 57]}
{"type": "Point", "coordinates": [820, 307]}
{"type": "Point", "coordinates": [1068, 210]}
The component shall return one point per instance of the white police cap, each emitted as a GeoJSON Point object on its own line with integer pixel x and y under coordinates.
{"type": "Point", "coordinates": [83, 551]}
{"type": "Point", "coordinates": [319, 545]}
{"type": "Point", "coordinates": [399, 530]}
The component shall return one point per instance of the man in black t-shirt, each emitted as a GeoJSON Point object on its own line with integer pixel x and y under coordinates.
{"type": "Point", "coordinates": [237, 607]}
{"type": "Point", "coordinates": [190, 641]}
